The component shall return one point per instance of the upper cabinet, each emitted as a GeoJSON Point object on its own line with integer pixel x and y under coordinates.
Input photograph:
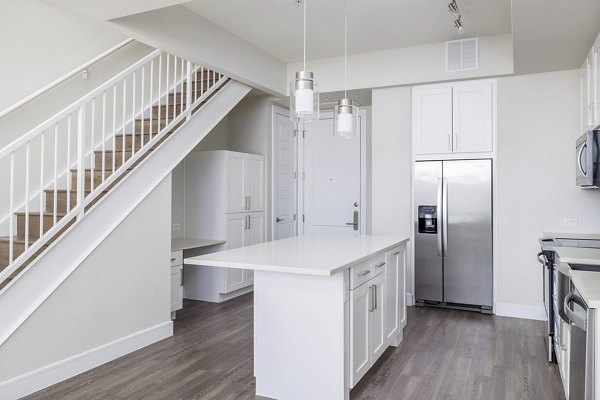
{"type": "Point", "coordinates": [590, 90]}
{"type": "Point", "coordinates": [454, 118]}
{"type": "Point", "coordinates": [245, 182]}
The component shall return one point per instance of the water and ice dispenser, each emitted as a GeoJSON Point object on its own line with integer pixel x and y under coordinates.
{"type": "Point", "coordinates": [428, 219]}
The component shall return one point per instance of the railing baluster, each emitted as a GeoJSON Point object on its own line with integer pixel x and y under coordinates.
{"type": "Point", "coordinates": [81, 160]}
{"type": "Point", "coordinates": [159, 90]}
{"type": "Point", "coordinates": [142, 106]}
{"type": "Point", "coordinates": [133, 130]}
{"type": "Point", "coordinates": [69, 162]}
{"type": "Point", "coordinates": [195, 83]}
{"type": "Point", "coordinates": [181, 98]}
{"type": "Point", "coordinates": [103, 154]}
{"type": "Point", "coordinates": [201, 81]}
{"type": "Point", "coordinates": [27, 151]}
{"type": "Point", "coordinates": [114, 129]}
{"type": "Point", "coordinates": [55, 194]}
{"type": "Point", "coordinates": [151, 96]}
{"type": "Point", "coordinates": [124, 116]}
{"type": "Point", "coordinates": [188, 94]}
{"type": "Point", "coordinates": [174, 86]}
{"type": "Point", "coordinates": [11, 208]}
{"type": "Point", "coordinates": [167, 91]}
{"type": "Point", "coordinates": [42, 183]}
{"type": "Point", "coordinates": [92, 144]}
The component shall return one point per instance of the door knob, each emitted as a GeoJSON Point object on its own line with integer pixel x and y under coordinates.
{"type": "Point", "coordinates": [279, 219]}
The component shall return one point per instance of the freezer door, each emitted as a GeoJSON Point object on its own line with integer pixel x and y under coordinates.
{"type": "Point", "coordinates": [428, 260]}
{"type": "Point", "coordinates": [467, 197]}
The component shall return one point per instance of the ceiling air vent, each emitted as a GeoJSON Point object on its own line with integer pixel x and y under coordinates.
{"type": "Point", "coordinates": [462, 55]}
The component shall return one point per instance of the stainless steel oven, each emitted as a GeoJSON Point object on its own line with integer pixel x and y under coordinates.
{"type": "Point", "coordinates": [587, 153]}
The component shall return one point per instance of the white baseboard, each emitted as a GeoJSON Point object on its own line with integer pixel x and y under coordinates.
{"type": "Point", "coordinates": [409, 299]}
{"type": "Point", "coordinates": [49, 375]}
{"type": "Point", "coordinates": [521, 311]}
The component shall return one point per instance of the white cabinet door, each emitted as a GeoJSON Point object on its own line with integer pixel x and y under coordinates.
{"type": "Point", "coordinates": [432, 119]}
{"type": "Point", "coordinates": [360, 346]}
{"type": "Point", "coordinates": [377, 320]}
{"type": "Point", "coordinates": [236, 186]}
{"type": "Point", "coordinates": [255, 233]}
{"type": "Point", "coordinates": [236, 237]}
{"type": "Point", "coordinates": [392, 294]}
{"type": "Point", "coordinates": [176, 288]}
{"type": "Point", "coordinates": [472, 120]}
{"type": "Point", "coordinates": [583, 93]}
{"type": "Point", "coordinates": [254, 181]}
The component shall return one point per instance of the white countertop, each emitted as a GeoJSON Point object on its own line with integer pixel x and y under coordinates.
{"type": "Point", "coordinates": [588, 284]}
{"type": "Point", "coordinates": [565, 235]}
{"type": "Point", "coordinates": [310, 255]}
{"type": "Point", "coordinates": [187, 243]}
{"type": "Point", "coordinates": [578, 255]}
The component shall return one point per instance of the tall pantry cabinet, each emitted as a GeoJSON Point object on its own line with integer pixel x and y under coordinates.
{"type": "Point", "coordinates": [224, 199]}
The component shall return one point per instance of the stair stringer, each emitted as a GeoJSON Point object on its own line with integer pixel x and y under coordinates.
{"type": "Point", "coordinates": [41, 278]}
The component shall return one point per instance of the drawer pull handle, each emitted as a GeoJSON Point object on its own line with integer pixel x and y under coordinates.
{"type": "Point", "coordinates": [396, 253]}
{"type": "Point", "coordinates": [365, 273]}
{"type": "Point", "coordinates": [380, 265]}
{"type": "Point", "coordinates": [172, 259]}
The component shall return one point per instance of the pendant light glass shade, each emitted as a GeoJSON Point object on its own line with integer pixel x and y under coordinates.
{"type": "Point", "coordinates": [345, 120]}
{"type": "Point", "coordinates": [304, 97]}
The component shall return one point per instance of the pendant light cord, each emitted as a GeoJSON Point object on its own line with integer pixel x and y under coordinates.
{"type": "Point", "coordinates": [305, 35]}
{"type": "Point", "coordinates": [345, 49]}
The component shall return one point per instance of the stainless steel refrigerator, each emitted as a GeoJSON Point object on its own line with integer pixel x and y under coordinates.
{"type": "Point", "coordinates": [453, 233]}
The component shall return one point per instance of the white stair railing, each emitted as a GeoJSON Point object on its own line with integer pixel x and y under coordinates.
{"type": "Point", "coordinates": [117, 123]}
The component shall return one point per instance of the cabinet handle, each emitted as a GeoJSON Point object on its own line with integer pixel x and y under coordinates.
{"type": "Point", "coordinates": [181, 278]}
{"type": "Point", "coordinates": [172, 259]}
{"type": "Point", "coordinates": [396, 253]}
{"type": "Point", "coordinates": [249, 203]}
{"type": "Point", "coordinates": [380, 265]}
{"type": "Point", "coordinates": [375, 295]}
{"type": "Point", "coordinates": [248, 221]}
{"type": "Point", "coordinates": [371, 291]}
{"type": "Point", "coordinates": [364, 273]}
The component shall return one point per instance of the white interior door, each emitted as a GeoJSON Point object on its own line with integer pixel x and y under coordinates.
{"type": "Point", "coordinates": [284, 177]}
{"type": "Point", "coordinates": [332, 179]}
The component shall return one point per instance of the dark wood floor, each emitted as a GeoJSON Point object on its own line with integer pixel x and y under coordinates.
{"type": "Point", "coordinates": [445, 355]}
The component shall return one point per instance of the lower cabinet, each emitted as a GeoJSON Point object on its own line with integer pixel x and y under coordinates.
{"type": "Point", "coordinates": [176, 281]}
{"type": "Point", "coordinates": [377, 309]}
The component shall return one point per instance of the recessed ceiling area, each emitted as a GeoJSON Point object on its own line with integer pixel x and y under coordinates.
{"type": "Point", "coordinates": [276, 25]}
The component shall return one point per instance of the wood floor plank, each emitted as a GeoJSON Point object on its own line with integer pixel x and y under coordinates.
{"type": "Point", "coordinates": [446, 354]}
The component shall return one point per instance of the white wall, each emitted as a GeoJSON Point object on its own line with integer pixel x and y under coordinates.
{"type": "Point", "coordinates": [391, 176]}
{"type": "Point", "coordinates": [41, 43]}
{"type": "Point", "coordinates": [122, 288]}
{"type": "Point", "coordinates": [538, 122]}
{"type": "Point", "coordinates": [217, 139]}
{"type": "Point", "coordinates": [180, 31]}
{"type": "Point", "coordinates": [408, 65]}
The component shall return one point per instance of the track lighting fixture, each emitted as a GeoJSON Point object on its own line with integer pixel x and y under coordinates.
{"type": "Point", "coordinates": [453, 8]}
{"type": "Point", "coordinates": [458, 24]}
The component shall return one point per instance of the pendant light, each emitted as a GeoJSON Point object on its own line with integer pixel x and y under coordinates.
{"type": "Point", "coordinates": [304, 93]}
{"type": "Point", "coordinates": [345, 112]}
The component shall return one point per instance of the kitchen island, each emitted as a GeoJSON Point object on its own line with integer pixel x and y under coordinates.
{"type": "Point", "coordinates": [325, 308]}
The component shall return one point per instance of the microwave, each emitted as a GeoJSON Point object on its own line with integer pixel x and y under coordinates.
{"type": "Point", "coordinates": [587, 153]}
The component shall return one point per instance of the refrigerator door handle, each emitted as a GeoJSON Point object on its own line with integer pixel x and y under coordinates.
{"type": "Point", "coordinates": [445, 216]}
{"type": "Point", "coordinates": [439, 218]}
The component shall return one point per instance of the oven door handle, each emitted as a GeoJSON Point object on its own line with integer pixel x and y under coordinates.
{"type": "Point", "coordinates": [574, 318]}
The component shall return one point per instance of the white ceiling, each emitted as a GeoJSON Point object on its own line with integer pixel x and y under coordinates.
{"type": "Point", "coordinates": [276, 25]}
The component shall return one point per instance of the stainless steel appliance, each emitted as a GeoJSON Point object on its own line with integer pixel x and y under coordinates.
{"type": "Point", "coordinates": [587, 153]}
{"type": "Point", "coordinates": [557, 285]}
{"type": "Point", "coordinates": [581, 359]}
{"type": "Point", "coordinates": [453, 234]}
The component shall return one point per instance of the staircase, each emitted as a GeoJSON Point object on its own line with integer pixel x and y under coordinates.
{"type": "Point", "coordinates": [84, 151]}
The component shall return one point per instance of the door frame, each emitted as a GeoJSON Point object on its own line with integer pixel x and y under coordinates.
{"type": "Point", "coordinates": [278, 110]}
{"type": "Point", "coordinates": [362, 120]}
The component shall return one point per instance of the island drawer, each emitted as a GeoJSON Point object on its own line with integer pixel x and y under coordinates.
{"type": "Point", "coordinates": [366, 270]}
{"type": "Point", "coordinates": [176, 258]}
